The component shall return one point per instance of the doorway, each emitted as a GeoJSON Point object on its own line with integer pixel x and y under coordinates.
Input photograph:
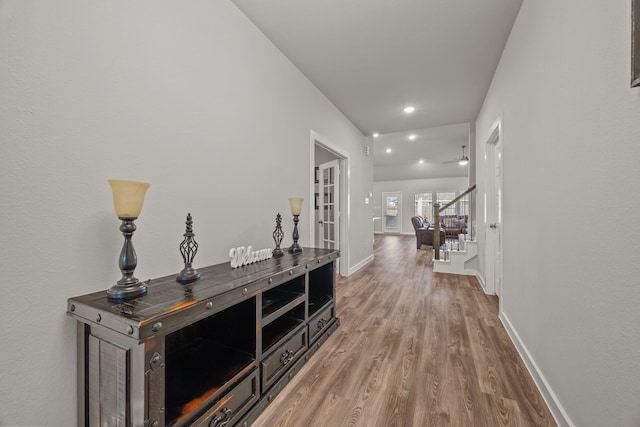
{"type": "Point", "coordinates": [329, 228]}
{"type": "Point", "coordinates": [493, 213]}
{"type": "Point", "coordinates": [392, 212]}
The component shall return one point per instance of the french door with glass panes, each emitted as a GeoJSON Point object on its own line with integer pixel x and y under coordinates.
{"type": "Point", "coordinates": [329, 205]}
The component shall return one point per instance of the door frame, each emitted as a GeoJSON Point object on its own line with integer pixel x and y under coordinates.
{"type": "Point", "coordinates": [491, 240]}
{"type": "Point", "coordinates": [344, 188]}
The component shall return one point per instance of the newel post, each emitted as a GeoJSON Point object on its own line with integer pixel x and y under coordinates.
{"type": "Point", "coordinates": [436, 231]}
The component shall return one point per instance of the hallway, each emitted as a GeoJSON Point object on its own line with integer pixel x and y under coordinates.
{"type": "Point", "coordinates": [414, 349]}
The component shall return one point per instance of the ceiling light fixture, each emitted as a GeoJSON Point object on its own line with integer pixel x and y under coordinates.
{"type": "Point", "coordinates": [388, 150]}
{"type": "Point", "coordinates": [375, 135]}
{"type": "Point", "coordinates": [409, 109]}
{"type": "Point", "coordinates": [412, 137]}
{"type": "Point", "coordinates": [421, 161]}
{"type": "Point", "coordinates": [464, 159]}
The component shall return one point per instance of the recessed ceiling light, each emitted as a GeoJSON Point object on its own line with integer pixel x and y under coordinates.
{"type": "Point", "coordinates": [412, 137]}
{"type": "Point", "coordinates": [375, 135]}
{"type": "Point", "coordinates": [388, 150]}
{"type": "Point", "coordinates": [409, 109]}
{"type": "Point", "coordinates": [421, 161]}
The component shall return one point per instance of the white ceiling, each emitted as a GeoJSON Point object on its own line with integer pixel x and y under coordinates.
{"type": "Point", "coordinates": [373, 57]}
{"type": "Point", "coordinates": [435, 146]}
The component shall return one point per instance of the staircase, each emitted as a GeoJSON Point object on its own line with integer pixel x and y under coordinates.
{"type": "Point", "coordinates": [458, 261]}
{"type": "Point", "coordinates": [456, 256]}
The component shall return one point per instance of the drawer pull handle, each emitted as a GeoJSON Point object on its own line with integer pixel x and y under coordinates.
{"type": "Point", "coordinates": [322, 323]}
{"type": "Point", "coordinates": [286, 357]}
{"type": "Point", "coordinates": [221, 421]}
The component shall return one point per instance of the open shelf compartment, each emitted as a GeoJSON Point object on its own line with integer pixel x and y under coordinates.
{"type": "Point", "coordinates": [321, 289]}
{"type": "Point", "coordinates": [276, 298]}
{"type": "Point", "coordinates": [204, 357]}
{"type": "Point", "coordinates": [281, 327]}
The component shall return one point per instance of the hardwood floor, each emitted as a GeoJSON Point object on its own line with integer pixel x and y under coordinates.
{"type": "Point", "coordinates": [414, 349]}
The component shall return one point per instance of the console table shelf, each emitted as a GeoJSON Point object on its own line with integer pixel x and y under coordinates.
{"type": "Point", "coordinates": [210, 353]}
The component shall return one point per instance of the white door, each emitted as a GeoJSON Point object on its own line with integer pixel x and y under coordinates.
{"type": "Point", "coordinates": [391, 212]}
{"type": "Point", "coordinates": [329, 205]}
{"type": "Point", "coordinates": [494, 214]}
{"type": "Point", "coordinates": [498, 218]}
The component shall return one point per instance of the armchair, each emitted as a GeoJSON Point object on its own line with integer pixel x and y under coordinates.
{"type": "Point", "coordinates": [424, 235]}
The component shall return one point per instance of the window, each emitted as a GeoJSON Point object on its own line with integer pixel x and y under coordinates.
{"type": "Point", "coordinates": [443, 199]}
{"type": "Point", "coordinates": [424, 205]}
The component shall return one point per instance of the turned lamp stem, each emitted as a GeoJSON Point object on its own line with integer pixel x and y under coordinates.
{"type": "Point", "coordinates": [128, 259]}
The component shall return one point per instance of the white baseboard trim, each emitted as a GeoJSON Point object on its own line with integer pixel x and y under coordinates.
{"type": "Point", "coordinates": [395, 234]}
{"type": "Point", "coordinates": [361, 264]}
{"type": "Point", "coordinates": [481, 280]}
{"type": "Point", "coordinates": [558, 412]}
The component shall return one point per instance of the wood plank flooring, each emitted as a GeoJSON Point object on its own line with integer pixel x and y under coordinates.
{"type": "Point", "coordinates": [414, 349]}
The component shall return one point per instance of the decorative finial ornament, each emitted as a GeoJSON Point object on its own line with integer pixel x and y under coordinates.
{"type": "Point", "coordinates": [188, 250]}
{"type": "Point", "coordinates": [278, 234]}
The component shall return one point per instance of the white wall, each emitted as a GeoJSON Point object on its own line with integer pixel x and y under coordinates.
{"type": "Point", "coordinates": [571, 229]}
{"type": "Point", "coordinates": [188, 96]}
{"type": "Point", "coordinates": [408, 189]}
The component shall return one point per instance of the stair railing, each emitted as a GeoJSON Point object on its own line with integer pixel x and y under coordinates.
{"type": "Point", "coordinates": [437, 210]}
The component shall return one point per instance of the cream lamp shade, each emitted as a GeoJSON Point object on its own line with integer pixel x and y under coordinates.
{"type": "Point", "coordinates": [296, 205]}
{"type": "Point", "coordinates": [128, 197]}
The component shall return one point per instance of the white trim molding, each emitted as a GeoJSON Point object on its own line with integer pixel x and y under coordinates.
{"type": "Point", "coordinates": [495, 136]}
{"type": "Point", "coordinates": [361, 264]}
{"type": "Point", "coordinates": [481, 280]}
{"type": "Point", "coordinates": [550, 398]}
{"type": "Point", "coordinates": [345, 190]}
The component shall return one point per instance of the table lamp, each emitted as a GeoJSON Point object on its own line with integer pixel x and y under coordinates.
{"type": "Point", "coordinates": [296, 207]}
{"type": "Point", "coordinates": [127, 200]}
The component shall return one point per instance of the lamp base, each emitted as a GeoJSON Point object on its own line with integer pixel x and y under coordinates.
{"type": "Point", "coordinates": [295, 249]}
{"type": "Point", "coordinates": [127, 291]}
{"type": "Point", "coordinates": [188, 275]}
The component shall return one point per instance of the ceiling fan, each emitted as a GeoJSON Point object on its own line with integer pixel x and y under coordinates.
{"type": "Point", "coordinates": [462, 160]}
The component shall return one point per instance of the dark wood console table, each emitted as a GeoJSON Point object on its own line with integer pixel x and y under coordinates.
{"type": "Point", "coordinates": [211, 353]}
